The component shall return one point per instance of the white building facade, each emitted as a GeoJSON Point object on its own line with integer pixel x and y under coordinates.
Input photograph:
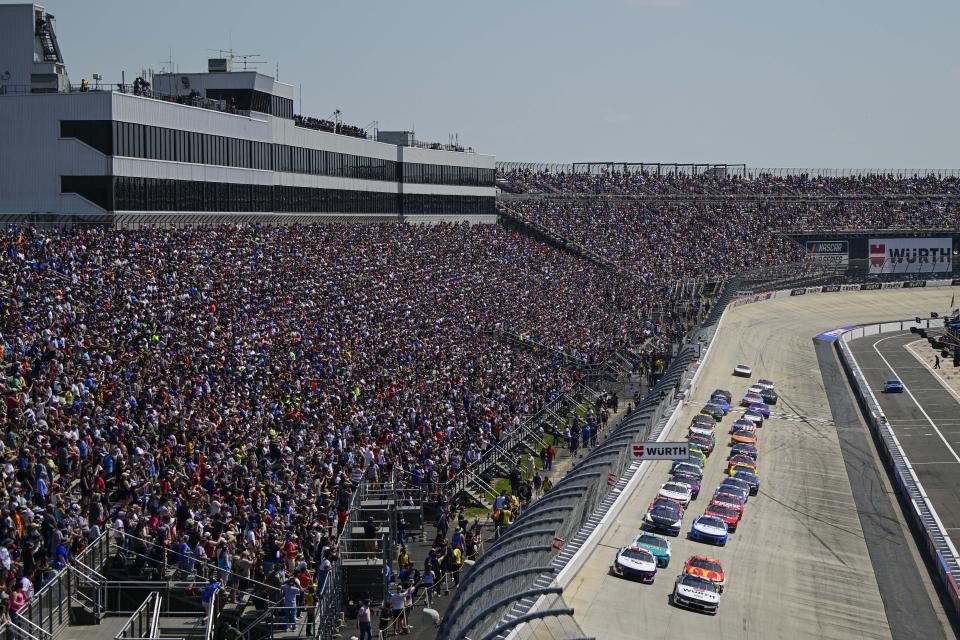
{"type": "Point", "coordinates": [202, 147]}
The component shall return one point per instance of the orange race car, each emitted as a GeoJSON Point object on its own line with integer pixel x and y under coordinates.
{"type": "Point", "coordinates": [708, 569]}
{"type": "Point", "coordinates": [745, 436]}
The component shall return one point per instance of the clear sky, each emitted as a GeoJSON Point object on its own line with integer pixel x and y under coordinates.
{"type": "Point", "coordinates": [811, 83]}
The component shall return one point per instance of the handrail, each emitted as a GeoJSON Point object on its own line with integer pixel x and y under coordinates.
{"type": "Point", "coordinates": [30, 622]}
{"type": "Point", "coordinates": [152, 600]}
{"type": "Point", "coordinates": [155, 622]}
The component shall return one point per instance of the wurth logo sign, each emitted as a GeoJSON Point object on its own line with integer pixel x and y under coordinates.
{"type": "Point", "coordinates": [911, 255]}
{"type": "Point", "coordinates": [661, 450]}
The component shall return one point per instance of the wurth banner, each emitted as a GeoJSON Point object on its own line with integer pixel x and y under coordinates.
{"type": "Point", "coordinates": [911, 255]}
{"type": "Point", "coordinates": [661, 450]}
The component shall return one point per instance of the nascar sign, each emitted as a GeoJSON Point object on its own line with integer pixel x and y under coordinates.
{"type": "Point", "coordinates": [661, 450]}
{"type": "Point", "coordinates": [911, 255]}
{"type": "Point", "coordinates": [832, 252]}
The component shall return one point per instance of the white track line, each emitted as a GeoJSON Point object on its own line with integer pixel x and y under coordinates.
{"type": "Point", "coordinates": [912, 397]}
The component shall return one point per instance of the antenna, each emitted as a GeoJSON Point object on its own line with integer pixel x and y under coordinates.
{"type": "Point", "coordinates": [168, 64]}
{"type": "Point", "coordinates": [246, 60]}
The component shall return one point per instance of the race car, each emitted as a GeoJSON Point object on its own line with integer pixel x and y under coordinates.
{"type": "Point", "coordinates": [696, 593]}
{"type": "Point", "coordinates": [769, 396]}
{"type": "Point", "coordinates": [750, 398]}
{"type": "Point", "coordinates": [743, 425]}
{"type": "Point", "coordinates": [679, 491]}
{"type": "Point", "coordinates": [706, 443]}
{"type": "Point", "coordinates": [722, 393]}
{"type": "Point", "coordinates": [721, 402]}
{"type": "Point", "coordinates": [765, 383]}
{"type": "Point", "coordinates": [761, 408]}
{"type": "Point", "coordinates": [636, 563]}
{"type": "Point", "coordinates": [729, 498]}
{"type": "Point", "coordinates": [750, 477]}
{"type": "Point", "coordinates": [664, 516]}
{"type": "Point", "coordinates": [737, 486]}
{"type": "Point", "coordinates": [743, 449]}
{"type": "Point", "coordinates": [714, 411]}
{"type": "Point", "coordinates": [755, 389]}
{"type": "Point", "coordinates": [704, 420]}
{"type": "Point", "coordinates": [893, 386]}
{"type": "Point", "coordinates": [753, 416]}
{"type": "Point", "coordinates": [709, 568]}
{"type": "Point", "coordinates": [749, 437]}
{"type": "Point", "coordinates": [693, 481]}
{"type": "Point", "coordinates": [735, 468]}
{"type": "Point", "coordinates": [709, 529]}
{"type": "Point", "coordinates": [726, 513]}
{"type": "Point", "coordinates": [697, 429]}
{"type": "Point", "coordinates": [657, 545]}
{"type": "Point", "coordinates": [696, 456]}
{"type": "Point", "coordinates": [740, 462]}
{"type": "Point", "coordinates": [685, 467]}
{"type": "Point", "coordinates": [743, 371]}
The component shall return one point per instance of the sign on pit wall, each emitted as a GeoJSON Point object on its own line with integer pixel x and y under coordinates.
{"type": "Point", "coordinates": [661, 450]}
{"type": "Point", "coordinates": [833, 252]}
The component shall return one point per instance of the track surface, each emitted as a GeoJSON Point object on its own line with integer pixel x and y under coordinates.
{"type": "Point", "coordinates": [925, 418]}
{"type": "Point", "coordinates": [798, 566]}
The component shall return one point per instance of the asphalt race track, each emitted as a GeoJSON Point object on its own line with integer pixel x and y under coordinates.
{"type": "Point", "coordinates": [925, 418]}
{"type": "Point", "coordinates": [798, 566]}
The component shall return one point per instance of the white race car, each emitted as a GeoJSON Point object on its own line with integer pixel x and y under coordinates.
{"type": "Point", "coordinates": [700, 430]}
{"type": "Point", "coordinates": [679, 491]}
{"type": "Point", "coordinates": [755, 389]}
{"type": "Point", "coordinates": [743, 371]}
{"type": "Point", "coordinates": [634, 562]}
{"type": "Point", "coordinates": [766, 385]}
{"type": "Point", "coordinates": [694, 592]}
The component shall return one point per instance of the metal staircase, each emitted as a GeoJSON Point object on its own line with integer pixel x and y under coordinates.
{"type": "Point", "coordinates": [48, 41]}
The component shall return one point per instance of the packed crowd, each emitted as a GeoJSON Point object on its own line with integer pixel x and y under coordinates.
{"type": "Point", "coordinates": [320, 124]}
{"type": "Point", "coordinates": [217, 393]}
{"type": "Point", "coordinates": [670, 241]}
{"type": "Point", "coordinates": [721, 183]}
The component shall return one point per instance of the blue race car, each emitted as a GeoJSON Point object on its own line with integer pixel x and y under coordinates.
{"type": "Point", "coordinates": [893, 386]}
{"type": "Point", "coordinates": [709, 529]}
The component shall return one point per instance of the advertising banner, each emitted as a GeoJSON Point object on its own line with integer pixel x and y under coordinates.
{"type": "Point", "coordinates": [833, 252]}
{"type": "Point", "coordinates": [661, 450]}
{"type": "Point", "coordinates": [915, 284]}
{"type": "Point", "coordinates": [831, 288]}
{"type": "Point", "coordinates": [911, 255]}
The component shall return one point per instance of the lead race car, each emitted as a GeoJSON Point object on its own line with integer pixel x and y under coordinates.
{"type": "Point", "coordinates": [696, 593]}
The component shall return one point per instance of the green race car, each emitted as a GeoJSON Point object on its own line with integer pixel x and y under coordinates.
{"type": "Point", "coordinates": [714, 411]}
{"type": "Point", "coordinates": [657, 545]}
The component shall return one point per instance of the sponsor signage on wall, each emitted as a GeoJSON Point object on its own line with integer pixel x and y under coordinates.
{"type": "Point", "coordinates": [911, 255]}
{"type": "Point", "coordinates": [661, 450]}
{"type": "Point", "coordinates": [834, 252]}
